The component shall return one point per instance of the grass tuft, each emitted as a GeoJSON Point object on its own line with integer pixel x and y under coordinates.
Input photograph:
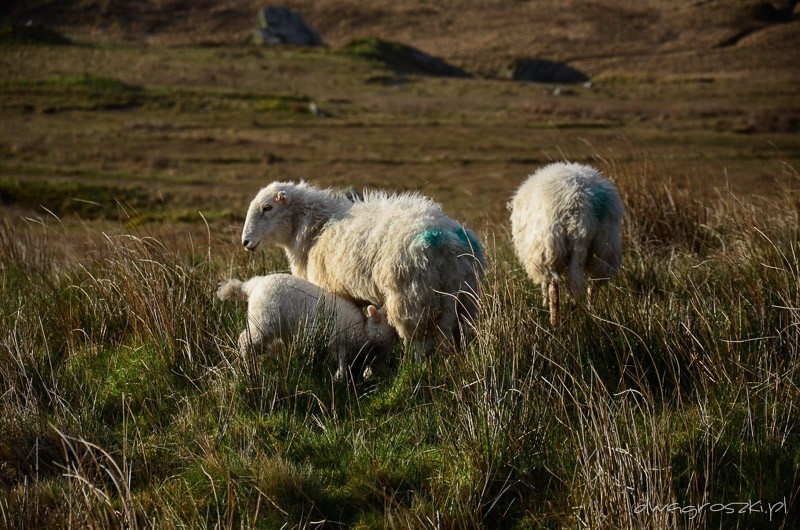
{"type": "Point", "coordinates": [130, 406]}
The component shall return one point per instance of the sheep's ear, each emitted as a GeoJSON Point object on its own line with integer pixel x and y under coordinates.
{"type": "Point", "coordinates": [281, 198]}
{"type": "Point", "coordinates": [372, 312]}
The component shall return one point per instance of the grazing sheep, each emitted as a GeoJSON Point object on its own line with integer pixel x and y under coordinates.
{"type": "Point", "coordinates": [281, 306]}
{"type": "Point", "coordinates": [399, 251]}
{"type": "Point", "coordinates": [566, 218]}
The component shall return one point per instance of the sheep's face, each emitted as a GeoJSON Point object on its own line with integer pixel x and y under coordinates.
{"type": "Point", "coordinates": [269, 218]}
{"type": "Point", "coordinates": [379, 331]}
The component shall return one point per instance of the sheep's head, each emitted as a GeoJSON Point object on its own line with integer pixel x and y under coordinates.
{"type": "Point", "coordinates": [269, 217]}
{"type": "Point", "coordinates": [379, 331]}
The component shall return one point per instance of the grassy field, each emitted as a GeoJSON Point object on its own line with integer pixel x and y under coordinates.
{"type": "Point", "coordinates": [125, 172]}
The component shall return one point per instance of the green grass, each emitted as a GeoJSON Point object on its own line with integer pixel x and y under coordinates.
{"type": "Point", "coordinates": [84, 200]}
{"type": "Point", "coordinates": [679, 387]}
{"type": "Point", "coordinates": [124, 402]}
{"type": "Point", "coordinates": [212, 124]}
{"type": "Point", "coordinates": [88, 92]}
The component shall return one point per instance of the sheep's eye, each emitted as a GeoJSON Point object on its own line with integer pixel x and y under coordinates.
{"type": "Point", "coordinates": [266, 208]}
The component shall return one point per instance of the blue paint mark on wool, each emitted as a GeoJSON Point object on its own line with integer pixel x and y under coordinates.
{"type": "Point", "coordinates": [600, 200]}
{"type": "Point", "coordinates": [436, 237]}
{"type": "Point", "coordinates": [467, 237]}
{"type": "Point", "coordinates": [431, 237]}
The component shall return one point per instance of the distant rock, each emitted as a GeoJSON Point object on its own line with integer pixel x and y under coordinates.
{"type": "Point", "coordinates": [543, 71]}
{"type": "Point", "coordinates": [30, 33]}
{"type": "Point", "coordinates": [773, 11]}
{"type": "Point", "coordinates": [401, 58]}
{"type": "Point", "coordinates": [276, 25]}
{"type": "Point", "coordinates": [754, 16]}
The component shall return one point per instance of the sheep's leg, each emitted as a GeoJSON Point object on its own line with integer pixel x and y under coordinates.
{"type": "Point", "coordinates": [341, 368]}
{"type": "Point", "coordinates": [420, 346]}
{"type": "Point", "coordinates": [344, 373]}
{"type": "Point", "coordinates": [244, 344]}
{"type": "Point", "coordinates": [554, 302]}
{"type": "Point", "coordinates": [428, 347]}
{"type": "Point", "coordinates": [411, 335]}
{"type": "Point", "coordinates": [466, 314]}
{"type": "Point", "coordinates": [577, 264]}
{"type": "Point", "coordinates": [408, 330]}
{"type": "Point", "coordinates": [251, 341]}
{"type": "Point", "coordinates": [545, 295]}
{"type": "Point", "coordinates": [354, 366]}
{"type": "Point", "coordinates": [360, 363]}
{"type": "Point", "coordinates": [448, 324]}
{"type": "Point", "coordinates": [377, 368]}
{"type": "Point", "coordinates": [424, 344]}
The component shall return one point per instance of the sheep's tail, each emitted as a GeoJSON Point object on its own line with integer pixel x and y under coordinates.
{"type": "Point", "coordinates": [231, 289]}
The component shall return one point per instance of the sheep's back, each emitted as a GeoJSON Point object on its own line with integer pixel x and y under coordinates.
{"type": "Point", "coordinates": [283, 305]}
{"type": "Point", "coordinates": [386, 244]}
{"type": "Point", "coordinates": [558, 207]}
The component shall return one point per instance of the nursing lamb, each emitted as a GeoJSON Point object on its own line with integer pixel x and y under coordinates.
{"type": "Point", "coordinates": [399, 251]}
{"type": "Point", "coordinates": [282, 307]}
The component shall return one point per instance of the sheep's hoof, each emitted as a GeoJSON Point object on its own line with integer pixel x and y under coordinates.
{"type": "Point", "coordinates": [368, 373]}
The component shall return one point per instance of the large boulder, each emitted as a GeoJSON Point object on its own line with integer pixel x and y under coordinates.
{"type": "Point", "coordinates": [401, 58]}
{"type": "Point", "coordinates": [30, 33]}
{"type": "Point", "coordinates": [276, 25]}
{"type": "Point", "coordinates": [543, 71]}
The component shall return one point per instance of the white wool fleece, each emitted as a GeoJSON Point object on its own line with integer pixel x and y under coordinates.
{"type": "Point", "coordinates": [397, 250]}
{"type": "Point", "coordinates": [566, 221]}
{"type": "Point", "coordinates": [282, 306]}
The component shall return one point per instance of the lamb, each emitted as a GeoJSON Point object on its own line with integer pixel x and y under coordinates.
{"type": "Point", "coordinates": [399, 251]}
{"type": "Point", "coordinates": [566, 219]}
{"type": "Point", "coordinates": [282, 306]}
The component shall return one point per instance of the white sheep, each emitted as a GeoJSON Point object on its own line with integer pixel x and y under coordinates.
{"type": "Point", "coordinates": [566, 219]}
{"type": "Point", "coordinates": [399, 251]}
{"type": "Point", "coordinates": [281, 307]}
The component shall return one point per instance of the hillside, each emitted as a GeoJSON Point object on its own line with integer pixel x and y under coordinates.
{"type": "Point", "coordinates": [737, 38]}
{"type": "Point", "coordinates": [704, 88]}
{"type": "Point", "coordinates": [134, 136]}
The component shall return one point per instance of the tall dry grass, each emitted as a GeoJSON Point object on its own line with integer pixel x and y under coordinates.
{"type": "Point", "coordinates": [124, 403]}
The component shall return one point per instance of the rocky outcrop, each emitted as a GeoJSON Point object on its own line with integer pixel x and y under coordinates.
{"type": "Point", "coordinates": [401, 58]}
{"type": "Point", "coordinates": [30, 33]}
{"type": "Point", "coordinates": [276, 25]}
{"type": "Point", "coordinates": [543, 71]}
